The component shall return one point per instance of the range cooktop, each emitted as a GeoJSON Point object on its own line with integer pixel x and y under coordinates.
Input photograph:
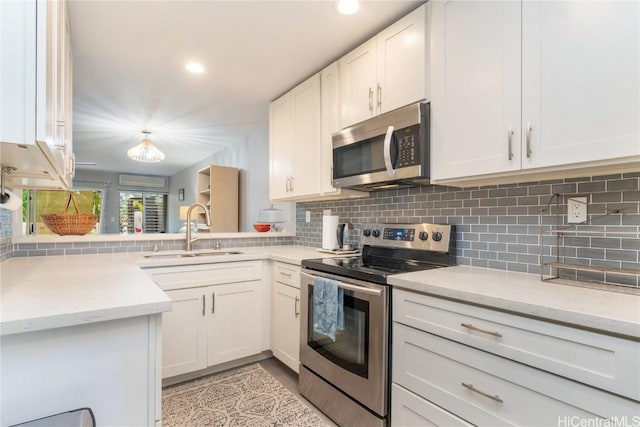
{"type": "Point", "coordinates": [393, 249]}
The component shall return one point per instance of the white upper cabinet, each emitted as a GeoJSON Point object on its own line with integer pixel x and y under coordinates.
{"type": "Point", "coordinates": [387, 72]}
{"type": "Point", "coordinates": [294, 142]}
{"type": "Point", "coordinates": [580, 81]}
{"type": "Point", "coordinates": [330, 122]}
{"type": "Point", "coordinates": [36, 87]}
{"type": "Point", "coordinates": [475, 90]}
{"type": "Point", "coordinates": [280, 150]}
{"type": "Point", "coordinates": [534, 89]}
{"type": "Point", "coordinates": [358, 83]}
{"type": "Point", "coordinates": [305, 109]}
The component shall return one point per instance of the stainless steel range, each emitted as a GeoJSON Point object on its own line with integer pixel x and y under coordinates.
{"type": "Point", "coordinates": [344, 348]}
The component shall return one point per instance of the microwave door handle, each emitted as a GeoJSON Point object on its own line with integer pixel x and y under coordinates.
{"type": "Point", "coordinates": [387, 151]}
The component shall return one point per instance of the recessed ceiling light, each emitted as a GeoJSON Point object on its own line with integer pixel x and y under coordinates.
{"type": "Point", "coordinates": [194, 67]}
{"type": "Point", "coordinates": [348, 7]}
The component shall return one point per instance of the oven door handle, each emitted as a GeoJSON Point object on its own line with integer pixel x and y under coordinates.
{"type": "Point", "coordinates": [361, 289]}
{"type": "Point", "coordinates": [350, 287]}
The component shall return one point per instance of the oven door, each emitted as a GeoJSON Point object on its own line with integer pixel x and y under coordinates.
{"type": "Point", "coordinates": [357, 361]}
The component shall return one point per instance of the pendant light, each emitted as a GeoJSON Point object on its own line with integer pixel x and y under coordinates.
{"type": "Point", "coordinates": [145, 151]}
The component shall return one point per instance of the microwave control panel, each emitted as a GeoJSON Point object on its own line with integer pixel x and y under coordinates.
{"type": "Point", "coordinates": [408, 147]}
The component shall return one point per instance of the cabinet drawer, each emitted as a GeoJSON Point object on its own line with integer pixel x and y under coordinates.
{"type": "Point", "coordinates": [410, 410]}
{"type": "Point", "coordinates": [188, 276]}
{"type": "Point", "coordinates": [287, 273]}
{"type": "Point", "coordinates": [485, 389]}
{"type": "Point", "coordinates": [603, 361]}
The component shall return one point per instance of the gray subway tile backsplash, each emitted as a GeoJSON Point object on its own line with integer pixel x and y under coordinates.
{"type": "Point", "coordinates": [131, 246]}
{"type": "Point", "coordinates": [505, 220]}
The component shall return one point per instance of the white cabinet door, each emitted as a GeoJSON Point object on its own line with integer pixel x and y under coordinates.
{"type": "Point", "coordinates": [184, 341]}
{"type": "Point", "coordinates": [330, 114]}
{"type": "Point", "coordinates": [280, 151]}
{"type": "Point", "coordinates": [358, 84]}
{"type": "Point", "coordinates": [581, 89]}
{"type": "Point", "coordinates": [402, 62]}
{"type": "Point", "coordinates": [286, 324]}
{"type": "Point", "coordinates": [234, 328]}
{"type": "Point", "coordinates": [475, 88]}
{"type": "Point", "coordinates": [305, 110]}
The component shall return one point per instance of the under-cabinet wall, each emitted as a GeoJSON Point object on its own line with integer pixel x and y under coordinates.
{"type": "Point", "coordinates": [498, 226]}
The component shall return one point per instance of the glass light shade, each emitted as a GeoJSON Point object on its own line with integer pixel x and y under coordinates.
{"type": "Point", "coordinates": [145, 152]}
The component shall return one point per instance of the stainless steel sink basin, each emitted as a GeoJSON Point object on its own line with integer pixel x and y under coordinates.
{"type": "Point", "coordinates": [184, 254]}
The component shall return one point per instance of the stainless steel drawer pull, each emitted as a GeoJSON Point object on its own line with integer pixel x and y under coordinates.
{"type": "Point", "coordinates": [285, 274]}
{"type": "Point", "coordinates": [203, 303]}
{"type": "Point", "coordinates": [484, 331]}
{"type": "Point", "coordinates": [295, 307]}
{"type": "Point", "coordinates": [510, 143]}
{"type": "Point", "coordinates": [480, 392]}
{"type": "Point", "coordinates": [213, 302]}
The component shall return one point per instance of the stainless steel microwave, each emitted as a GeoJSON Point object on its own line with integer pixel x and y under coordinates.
{"type": "Point", "coordinates": [387, 151]}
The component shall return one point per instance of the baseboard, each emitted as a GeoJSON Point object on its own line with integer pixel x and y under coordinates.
{"type": "Point", "coordinates": [217, 368]}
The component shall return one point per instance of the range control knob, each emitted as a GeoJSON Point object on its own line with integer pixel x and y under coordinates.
{"type": "Point", "coordinates": [436, 236]}
{"type": "Point", "coordinates": [366, 232]}
{"type": "Point", "coordinates": [423, 235]}
{"type": "Point", "coordinates": [376, 233]}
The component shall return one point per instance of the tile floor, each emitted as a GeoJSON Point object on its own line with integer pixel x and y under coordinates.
{"type": "Point", "coordinates": [289, 379]}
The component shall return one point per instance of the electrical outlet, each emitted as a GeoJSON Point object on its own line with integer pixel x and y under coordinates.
{"type": "Point", "coordinates": [577, 210]}
{"type": "Point", "coordinates": [308, 216]}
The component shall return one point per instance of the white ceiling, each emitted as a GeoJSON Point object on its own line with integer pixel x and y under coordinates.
{"type": "Point", "coordinates": [129, 75]}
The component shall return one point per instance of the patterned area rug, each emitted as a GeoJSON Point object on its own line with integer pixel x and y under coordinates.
{"type": "Point", "coordinates": [247, 396]}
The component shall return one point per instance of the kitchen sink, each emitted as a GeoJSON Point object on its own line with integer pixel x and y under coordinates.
{"type": "Point", "coordinates": [185, 254]}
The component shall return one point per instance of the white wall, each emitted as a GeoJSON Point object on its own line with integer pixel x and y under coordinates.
{"type": "Point", "coordinates": [250, 154]}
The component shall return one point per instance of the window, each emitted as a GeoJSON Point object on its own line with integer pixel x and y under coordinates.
{"type": "Point", "coordinates": [153, 207]}
{"type": "Point", "coordinates": [38, 202]}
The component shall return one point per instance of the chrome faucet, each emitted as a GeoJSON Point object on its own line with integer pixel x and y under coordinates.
{"type": "Point", "coordinates": [190, 239]}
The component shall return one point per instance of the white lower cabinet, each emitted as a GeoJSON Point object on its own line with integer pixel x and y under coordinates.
{"type": "Point", "coordinates": [234, 328]}
{"type": "Point", "coordinates": [286, 314]}
{"type": "Point", "coordinates": [216, 314]}
{"type": "Point", "coordinates": [184, 344]}
{"type": "Point", "coordinates": [448, 376]}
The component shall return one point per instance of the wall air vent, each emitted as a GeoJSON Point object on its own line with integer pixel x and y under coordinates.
{"type": "Point", "coordinates": [141, 181]}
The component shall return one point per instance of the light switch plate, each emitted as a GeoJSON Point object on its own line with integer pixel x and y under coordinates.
{"type": "Point", "coordinates": [576, 210]}
{"type": "Point", "coordinates": [308, 216]}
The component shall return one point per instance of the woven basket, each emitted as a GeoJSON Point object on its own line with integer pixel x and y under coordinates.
{"type": "Point", "coordinates": [63, 224]}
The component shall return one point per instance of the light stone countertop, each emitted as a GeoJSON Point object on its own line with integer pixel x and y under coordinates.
{"type": "Point", "coordinates": [38, 293]}
{"type": "Point", "coordinates": [525, 294]}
